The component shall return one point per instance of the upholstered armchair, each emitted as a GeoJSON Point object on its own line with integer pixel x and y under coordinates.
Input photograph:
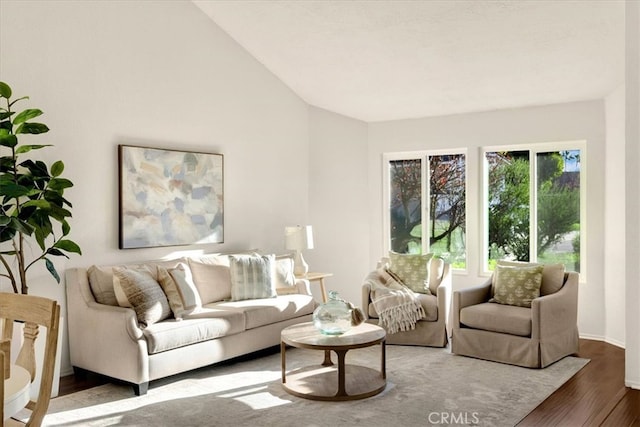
{"type": "Point", "coordinates": [431, 329]}
{"type": "Point", "coordinates": [534, 336]}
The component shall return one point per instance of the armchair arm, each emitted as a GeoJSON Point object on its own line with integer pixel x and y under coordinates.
{"type": "Point", "coordinates": [469, 296]}
{"type": "Point", "coordinates": [366, 299]}
{"type": "Point", "coordinates": [557, 312]}
{"type": "Point", "coordinates": [443, 293]}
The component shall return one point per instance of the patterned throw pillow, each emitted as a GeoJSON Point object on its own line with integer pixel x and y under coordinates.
{"type": "Point", "coordinates": [516, 285]}
{"type": "Point", "coordinates": [552, 275]}
{"type": "Point", "coordinates": [252, 276]}
{"type": "Point", "coordinates": [142, 293]}
{"type": "Point", "coordinates": [412, 270]}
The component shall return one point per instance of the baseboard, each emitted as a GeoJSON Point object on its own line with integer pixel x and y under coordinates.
{"type": "Point", "coordinates": [614, 342]}
{"type": "Point", "coordinates": [633, 384]}
{"type": "Point", "coordinates": [603, 339]}
{"type": "Point", "coordinates": [591, 337]}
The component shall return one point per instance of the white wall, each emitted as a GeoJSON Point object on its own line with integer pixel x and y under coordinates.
{"type": "Point", "coordinates": [632, 164]}
{"type": "Point", "coordinates": [338, 202]}
{"type": "Point", "coordinates": [566, 122]}
{"type": "Point", "coordinates": [156, 73]}
{"type": "Point", "coordinates": [614, 251]}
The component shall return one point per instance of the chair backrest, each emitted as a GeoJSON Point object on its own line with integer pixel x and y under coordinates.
{"type": "Point", "coordinates": [34, 312]}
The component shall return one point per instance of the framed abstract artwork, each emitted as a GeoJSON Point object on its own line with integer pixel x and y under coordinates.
{"type": "Point", "coordinates": [169, 197]}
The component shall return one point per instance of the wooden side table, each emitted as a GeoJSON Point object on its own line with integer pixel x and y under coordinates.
{"type": "Point", "coordinates": [319, 277]}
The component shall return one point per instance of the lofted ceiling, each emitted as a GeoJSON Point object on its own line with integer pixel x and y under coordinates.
{"type": "Point", "coordinates": [387, 60]}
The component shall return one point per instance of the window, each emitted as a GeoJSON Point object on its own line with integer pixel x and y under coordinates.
{"type": "Point", "coordinates": [439, 179]}
{"type": "Point", "coordinates": [533, 204]}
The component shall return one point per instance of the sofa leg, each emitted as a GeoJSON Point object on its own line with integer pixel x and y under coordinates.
{"type": "Point", "coordinates": [141, 389]}
{"type": "Point", "coordinates": [79, 372]}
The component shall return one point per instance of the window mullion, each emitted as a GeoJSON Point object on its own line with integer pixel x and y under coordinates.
{"type": "Point", "coordinates": [533, 206]}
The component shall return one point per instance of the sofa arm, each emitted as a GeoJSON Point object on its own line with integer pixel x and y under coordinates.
{"type": "Point", "coordinates": [103, 338]}
{"type": "Point", "coordinates": [467, 297]}
{"type": "Point", "coordinates": [557, 312]}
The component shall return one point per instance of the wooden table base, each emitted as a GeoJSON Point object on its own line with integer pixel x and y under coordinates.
{"type": "Point", "coordinates": [324, 383]}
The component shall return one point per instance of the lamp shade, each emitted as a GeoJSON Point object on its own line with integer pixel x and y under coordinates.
{"type": "Point", "coordinates": [298, 237]}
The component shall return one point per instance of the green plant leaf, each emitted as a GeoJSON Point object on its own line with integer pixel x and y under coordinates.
{"type": "Point", "coordinates": [66, 228]}
{"type": "Point", "coordinates": [60, 184]}
{"type": "Point", "coordinates": [68, 245]}
{"type": "Point", "coordinates": [56, 252]}
{"type": "Point", "coordinates": [28, 114]}
{"type": "Point", "coordinates": [26, 148]}
{"type": "Point", "coordinates": [5, 90]}
{"type": "Point", "coordinates": [13, 190]}
{"type": "Point", "coordinates": [52, 269]}
{"type": "Point", "coordinates": [32, 128]}
{"type": "Point", "coordinates": [42, 204]}
{"type": "Point", "coordinates": [57, 168]}
{"type": "Point", "coordinates": [8, 140]}
{"type": "Point", "coordinates": [21, 226]}
{"type": "Point", "coordinates": [6, 114]}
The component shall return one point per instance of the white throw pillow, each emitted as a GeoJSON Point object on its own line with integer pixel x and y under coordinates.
{"type": "Point", "coordinates": [284, 271]}
{"type": "Point", "coordinates": [252, 276]}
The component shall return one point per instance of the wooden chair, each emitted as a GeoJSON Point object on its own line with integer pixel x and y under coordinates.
{"type": "Point", "coordinates": [34, 312]}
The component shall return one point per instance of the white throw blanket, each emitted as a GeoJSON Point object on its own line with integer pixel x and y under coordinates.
{"type": "Point", "coordinates": [397, 306]}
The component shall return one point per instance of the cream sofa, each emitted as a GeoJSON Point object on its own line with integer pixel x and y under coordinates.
{"type": "Point", "coordinates": [108, 339]}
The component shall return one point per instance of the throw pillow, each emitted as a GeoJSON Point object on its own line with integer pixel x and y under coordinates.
{"type": "Point", "coordinates": [411, 270]}
{"type": "Point", "coordinates": [552, 275]}
{"type": "Point", "coordinates": [179, 289]}
{"type": "Point", "coordinates": [143, 294]}
{"type": "Point", "coordinates": [284, 271]}
{"type": "Point", "coordinates": [101, 283]}
{"type": "Point", "coordinates": [252, 276]}
{"type": "Point", "coordinates": [212, 278]}
{"type": "Point", "coordinates": [516, 285]}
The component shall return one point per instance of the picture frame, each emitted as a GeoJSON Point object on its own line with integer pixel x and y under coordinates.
{"type": "Point", "coordinates": [169, 197]}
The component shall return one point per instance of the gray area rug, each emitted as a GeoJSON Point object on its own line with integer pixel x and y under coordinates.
{"type": "Point", "coordinates": [425, 386]}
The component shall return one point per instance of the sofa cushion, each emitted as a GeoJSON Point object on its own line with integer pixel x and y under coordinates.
{"type": "Point", "coordinates": [252, 276]}
{"type": "Point", "coordinates": [142, 293]}
{"type": "Point", "coordinates": [429, 304]}
{"type": "Point", "coordinates": [411, 269]}
{"type": "Point", "coordinates": [507, 319]}
{"type": "Point", "coordinates": [552, 275]}
{"type": "Point", "coordinates": [516, 285]}
{"type": "Point", "coordinates": [212, 277]}
{"type": "Point", "coordinates": [260, 312]}
{"type": "Point", "coordinates": [201, 325]}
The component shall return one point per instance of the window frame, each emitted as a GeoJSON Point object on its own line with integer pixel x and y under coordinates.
{"type": "Point", "coordinates": [534, 149]}
{"type": "Point", "coordinates": [423, 156]}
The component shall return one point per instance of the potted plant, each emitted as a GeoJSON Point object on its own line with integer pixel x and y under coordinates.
{"type": "Point", "coordinates": [32, 204]}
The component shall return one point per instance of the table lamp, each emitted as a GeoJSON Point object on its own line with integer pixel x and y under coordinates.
{"type": "Point", "coordinates": [298, 238]}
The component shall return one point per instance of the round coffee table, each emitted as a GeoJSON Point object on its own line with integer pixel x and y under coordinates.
{"type": "Point", "coordinates": [324, 381]}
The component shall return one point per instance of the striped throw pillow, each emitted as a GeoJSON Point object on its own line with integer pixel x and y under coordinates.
{"type": "Point", "coordinates": [252, 276]}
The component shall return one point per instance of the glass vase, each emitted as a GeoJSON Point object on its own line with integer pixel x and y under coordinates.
{"type": "Point", "coordinates": [333, 317]}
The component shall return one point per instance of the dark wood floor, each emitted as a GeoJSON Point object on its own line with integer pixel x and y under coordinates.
{"type": "Point", "coordinates": [595, 396]}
